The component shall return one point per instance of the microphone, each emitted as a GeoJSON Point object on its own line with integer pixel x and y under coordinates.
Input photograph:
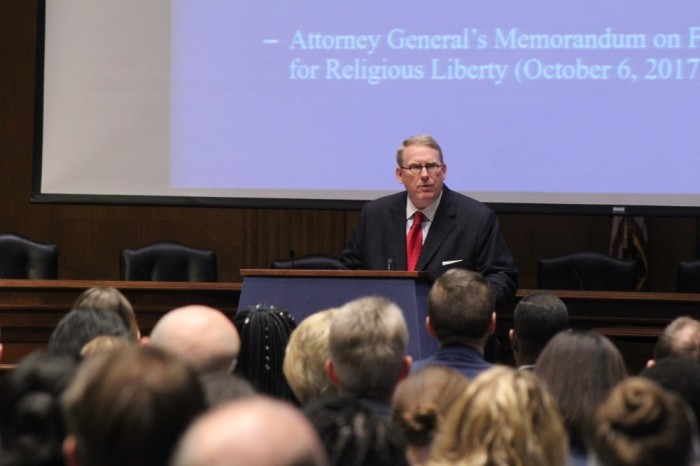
{"type": "Point", "coordinates": [390, 264]}
{"type": "Point", "coordinates": [291, 256]}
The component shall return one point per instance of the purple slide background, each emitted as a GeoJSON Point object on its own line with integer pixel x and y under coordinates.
{"type": "Point", "coordinates": [239, 121]}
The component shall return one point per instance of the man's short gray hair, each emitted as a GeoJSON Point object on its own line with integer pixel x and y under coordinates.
{"type": "Point", "coordinates": [367, 343]}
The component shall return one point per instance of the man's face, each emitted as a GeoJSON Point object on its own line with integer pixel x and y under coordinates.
{"type": "Point", "coordinates": [423, 188]}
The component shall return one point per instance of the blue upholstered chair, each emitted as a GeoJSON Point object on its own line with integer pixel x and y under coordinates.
{"type": "Point", "coordinates": [23, 258]}
{"type": "Point", "coordinates": [688, 276]}
{"type": "Point", "coordinates": [587, 270]}
{"type": "Point", "coordinates": [168, 261]}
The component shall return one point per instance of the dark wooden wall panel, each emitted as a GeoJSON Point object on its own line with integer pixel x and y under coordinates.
{"type": "Point", "coordinates": [531, 237]}
{"type": "Point", "coordinates": [670, 240]}
{"type": "Point", "coordinates": [277, 234]}
{"type": "Point", "coordinates": [90, 236]}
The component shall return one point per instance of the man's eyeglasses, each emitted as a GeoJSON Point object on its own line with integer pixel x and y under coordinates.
{"type": "Point", "coordinates": [416, 168]}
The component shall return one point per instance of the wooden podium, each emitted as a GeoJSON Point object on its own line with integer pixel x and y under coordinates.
{"type": "Point", "coordinates": [304, 292]}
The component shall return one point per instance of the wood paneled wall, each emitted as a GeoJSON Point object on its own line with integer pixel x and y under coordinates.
{"type": "Point", "coordinates": [90, 236]}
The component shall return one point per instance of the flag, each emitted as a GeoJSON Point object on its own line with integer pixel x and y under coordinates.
{"type": "Point", "coordinates": [628, 240]}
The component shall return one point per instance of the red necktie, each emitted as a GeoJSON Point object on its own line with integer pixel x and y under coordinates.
{"type": "Point", "coordinates": [414, 242]}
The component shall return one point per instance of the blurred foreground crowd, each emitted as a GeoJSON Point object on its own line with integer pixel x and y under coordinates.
{"type": "Point", "coordinates": [339, 388]}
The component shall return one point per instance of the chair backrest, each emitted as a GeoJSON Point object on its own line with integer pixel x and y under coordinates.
{"type": "Point", "coordinates": [688, 276]}
{"type": "Point", "coordinates": [23, 258]}
{"type": "Point", "coordinates": [309, 262]}
{"type": "Point", "coordinates": [168, 261]}
{"type": "Point", "coordinates": [587, 270]}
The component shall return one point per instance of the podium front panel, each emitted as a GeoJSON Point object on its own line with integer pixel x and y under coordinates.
{"type": "Point", "coordinates": [304, 295]}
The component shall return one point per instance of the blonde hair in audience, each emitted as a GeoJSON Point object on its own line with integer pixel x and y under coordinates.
{"type": "Point", "coordinates": [110, 299]}
{"type": "Point", "coordinates": [104, 344]}
{"type": "Point", "coordinates": [505, 417]}
{"type": "Point", "coordinates": [305, 358]}
{"type": "Point", "coordinates": [420, 405]}
{"type": "Point", "coordinates": [641, 424]}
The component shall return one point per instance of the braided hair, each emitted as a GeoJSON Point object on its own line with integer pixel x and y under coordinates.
{"type": "Point", "coordinates": [264, 332]}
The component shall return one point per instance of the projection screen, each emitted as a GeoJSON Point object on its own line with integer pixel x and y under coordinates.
{"type": "Point", "coordinates": [538, 105]}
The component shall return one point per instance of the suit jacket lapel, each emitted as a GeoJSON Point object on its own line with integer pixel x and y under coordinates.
{"type": "Point", "coordinates": [397, 233]}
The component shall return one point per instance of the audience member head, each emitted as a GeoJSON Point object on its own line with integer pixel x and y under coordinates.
{"type": "Point", "coordinates": [265, 332]}
{"type": "Point", "coordinates": [641, 424]}
{"type": "Point", "coordinates": [306, 355]}
{"type": "Point", "coordinates": [536, 319]}
{"type": "Point", "coordinates": [679, 375]}
{"type": "Point", "coordinates": [367, 343]}
{"type": "Point", "coordinates": [129, 407]}
{"type": "Point", "coordinates": [461, 309]}
{"type": "Point", "coordinates": [252, 431]}
{"type": "Point", "coordinates": [31, 425]}
{"type": "Point", "coordinates": [505, 417]}
{"type": "Point", "coordinates": [80, 326]}
{"type": "Point", "coordinates": [108, 298]}
{"type": "Point", "coordinates": [680, 338]}
{"type": "Point", "coordinates": [579, 369]}
{"type": "Point", "coordinates": [220, 388]}
{"type": "Point", "coordinates": [202, 336]}
{"type": "Point", "coordinates": [104, 343]}
{"type": "Point", "coordinates": [353, 433]}
{"type": "Point", "coordinates": [420, 405]}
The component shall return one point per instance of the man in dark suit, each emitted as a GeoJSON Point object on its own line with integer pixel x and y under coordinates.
{"type": "Point", "coordinates": [457, 231]}
{"type": "Point", "coordinates": [461, 317]}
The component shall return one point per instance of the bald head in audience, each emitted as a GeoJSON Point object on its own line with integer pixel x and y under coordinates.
{"type": "Point", "coordinates": [202, 336]}
{"type": "Point", "coordinates": [253, 431]}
